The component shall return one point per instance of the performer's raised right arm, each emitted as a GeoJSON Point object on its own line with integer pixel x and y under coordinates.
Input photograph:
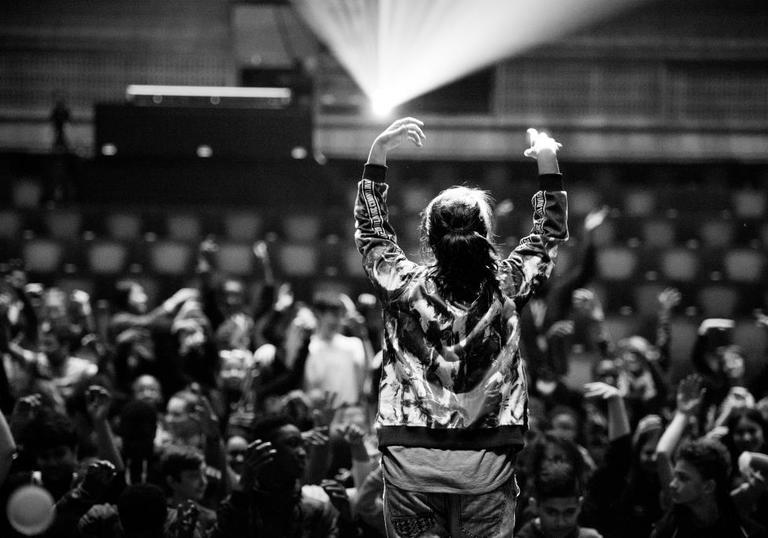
{"type": "Point", "coordinates": [383, 259]}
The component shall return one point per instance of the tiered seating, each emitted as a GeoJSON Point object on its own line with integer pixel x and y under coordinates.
{"type": "Point", "coordinates": [709, 243]}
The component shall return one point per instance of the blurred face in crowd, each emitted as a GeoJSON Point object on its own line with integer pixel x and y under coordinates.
{"type": "Point", "coordinates": [558, 516]}
{"type": "Point", "coordinates": [733, 363]}
{"type": "Point", "coordinates": [190, 485]}
{"type": "Point", "coordinates": [647, 455]}
{"type": "Point", "coordinates": [233, 368]}
{"type": "Point", "coordinates": [688, 487]}
{"type": "Point", "coordinates": [291, 454]}
{"type": "Point", "coordinates": [137, 298]}
{"type": "Point", "coordinates": [236, 447]}
{"type": "Point", "coordinates": [564, 426]}
{"type": "Point", "coordinates": [52, 346]}
{"type": "Point", "coordinates": [178, 418]}
{"type": "Point", "coordinates": [748, 436]}
{"type": "Point", "coordinates": [597, 441]}
{"type": "Point", "coordinates": [633, 363]}
{"type": "Point", "coordinates": [554, 453]}
{"type": "Point", "coordinates": [329, 320]}
{"type": "Point", "coordinates": [55, 306]}
{"type": "Point", "coordinates": [233, 294]}
{"type": "Point", "coordinates": [146, 388]}
{"type": "Point", "coordinates": [57, 463]}
{"type": "Point", "coordinates": [191, 336]}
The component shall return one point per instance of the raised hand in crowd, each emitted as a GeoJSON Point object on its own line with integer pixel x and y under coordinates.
{"type": "Point", "coordinates": [206, 255]}
{"type": "Point", "coordinates": [97, 403]}
{"type": "Point", "coordinates": [258, 455]}
{"type": "Point", "coordinates": [261, 252]}
{"type": "Point", "coordinates": [585, 301]}
{"type": "Point", "coordinates": [618, 420]}
{"type": "Point", "coordinates": [668, 299]}
{"type": "Point", "coordinates": [96, 480]}
{"type": "Point", "coordinates": [24, 412]}
{"type": "Point", "coordinates": [689, 395]}
{"type": "Point", "coordinates": [595, 218]}
{"type": "Point", "coordinates": [337, 494]}
{"type": "Point", "coordinates": [178, 298]}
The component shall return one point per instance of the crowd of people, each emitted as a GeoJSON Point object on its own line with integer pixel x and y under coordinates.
{"type": "Point", "coordinates": [212, 414]}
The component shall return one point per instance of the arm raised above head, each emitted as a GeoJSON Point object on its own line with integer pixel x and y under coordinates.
{"type": "Point", "coordinates": [531, 263]}
{"type": "Point", "coordinates": [383, 260]}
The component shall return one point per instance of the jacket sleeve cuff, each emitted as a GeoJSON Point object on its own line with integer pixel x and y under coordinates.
{"type": "Point", "coordinates": [375, 172]}
{"type": "Point", "coordinates": [551, 182]}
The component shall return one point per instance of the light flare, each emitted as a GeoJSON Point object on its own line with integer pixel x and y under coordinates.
{"type": "Point", "coordinates": [404, 48]}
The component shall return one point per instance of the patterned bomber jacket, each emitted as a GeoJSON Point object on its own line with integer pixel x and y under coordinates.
{"type": "Point", "coordinates": [452, 373]}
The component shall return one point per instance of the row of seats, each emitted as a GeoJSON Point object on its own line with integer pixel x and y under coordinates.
{"type": "Point", "coordinates": [412, 194]}
{"type": "Point", "coordinates": [713, 300]}
{"type": "Point", "coordinates": [48, 256]}
{"type": "Point", "coordinates": [680, 264]}
{"type": "Point", "coordinates": [131, 225]}
{"type": "Point", "coordinates": [694, 230]}
{"type": "Point", "coordinates": [646, 202]}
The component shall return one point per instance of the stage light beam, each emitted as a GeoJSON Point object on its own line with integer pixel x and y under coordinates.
{"type": "Point", "coordinates": [404, 48]}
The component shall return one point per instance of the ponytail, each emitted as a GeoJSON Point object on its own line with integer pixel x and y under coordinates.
{"type": "Point", "coordinates": [456, 227]}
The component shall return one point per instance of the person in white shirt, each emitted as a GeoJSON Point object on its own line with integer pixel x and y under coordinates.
{"type": "Point", "coordinates": [336, 363]}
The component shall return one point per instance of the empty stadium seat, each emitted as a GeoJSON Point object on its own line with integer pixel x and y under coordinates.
{"type": "Point", "coordinates": [63, 223]}
{"type": "Point", "coordinates": [242, 226]}
{"type": "Point", "coordinates": [640, 203]}
{"type": "Point", "coordinates": [235, 258]}
{"type": "Point", "coordinates": [70, 284]}
{"type": "Point", "coordinates": [183, 227]}
{"type": "Point", "coordinates": [646, 298]}
{"type": "Point", "coordinates": [301, 228]}
{"type": "Point", "coordinates": [748, 203]}
{"type": "Point", "coordinates": [124, 226]}
{"type": "Point", "coordinates": [42, 255]}
{"type": "Point", "coordinates": [744, 265]}
{"type": "Point", "coordinates": [26, 192]}
{"type": "Point", "coordinates": [353, 262]}
{"type": "Point", "coordinates": [620, 326]}
{"type": "Point", "coordinates": [679, 264]}
{"type": "Point", "coordinates": [582, 200]}
{"type": "Point", "coordinates": [10, 223]}
{"type": "Point", "coordinates": [605, 234]}
{"type": "Point", "coordinates": [170, 257]}
{"type": "Point", "coordinates": [107, 257]}
{"type": "Point", "coordinates": [753, 339]}
{"type": "Point", "coordinates": [298, 260]}
{"type": "Point", "coordinates": [659, 233]}
{"type": "Point", "coordinates": [716, 233]}
{"type": "Point", "coordinates": [616, 263]}
{"type": "Point", "coordinates": [717, 301]}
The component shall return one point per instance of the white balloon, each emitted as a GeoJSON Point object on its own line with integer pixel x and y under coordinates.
{"type": "Point", "coordinates": [30, 510]}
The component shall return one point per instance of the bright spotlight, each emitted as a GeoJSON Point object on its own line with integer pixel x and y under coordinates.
{"type": "Point", "coordinates": [406, 48]}
{"type": "Point", "coordinates": [381, 107]}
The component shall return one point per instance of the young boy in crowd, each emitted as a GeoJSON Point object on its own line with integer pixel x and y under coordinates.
{"type": "Point", "coordinates": [557, 499]}
{"type": "Point", "coordinates": [183, 472]}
